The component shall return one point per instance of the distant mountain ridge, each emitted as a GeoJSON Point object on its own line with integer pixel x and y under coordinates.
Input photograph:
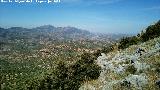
{"type": "Point", "coordinates": [55, 33]}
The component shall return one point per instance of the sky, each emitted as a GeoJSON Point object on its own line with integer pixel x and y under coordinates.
{"type": "Point", "coordinates": [104, 16]}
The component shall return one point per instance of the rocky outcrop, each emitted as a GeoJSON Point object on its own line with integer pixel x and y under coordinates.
{"type": "Point", "coordinates": [114, 67]}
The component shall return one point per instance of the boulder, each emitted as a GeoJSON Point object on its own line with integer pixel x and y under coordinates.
{"type": "Point", "coordinates": [138, 81]}
{"type": "Point", "coordinates": [157, 45]}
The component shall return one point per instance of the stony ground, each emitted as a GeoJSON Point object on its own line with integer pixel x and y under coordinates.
{"type": "Point", "coordinates": [127, 69]}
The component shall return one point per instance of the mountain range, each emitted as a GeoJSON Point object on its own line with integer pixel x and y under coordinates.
{"type": "Point", "coordinates": [54, 33]}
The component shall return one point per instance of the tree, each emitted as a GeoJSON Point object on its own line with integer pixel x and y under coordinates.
{"type": "Point", "coordinates": [151, 32]}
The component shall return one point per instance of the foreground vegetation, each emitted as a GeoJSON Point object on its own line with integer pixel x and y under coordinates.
{"type": "Point", "coordinates": [151, 32]}
{"type": "Point", "coordinates": [128, 68]}
{"type": "Point", "coordinates": [71, 77]}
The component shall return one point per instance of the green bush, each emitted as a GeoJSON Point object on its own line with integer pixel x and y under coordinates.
{"type": "Point", "coordinates": [97, 53]}
{"type": "Point", "coordinates": [71, 77]}
{"type": "Point", "coordinates": [108, 49]}
{"type": "Point", "coordinates": [131, 69]}
{"type": "Point", "coordinates": [151, 32]}
{"type": "Point", "coordinates": [85, 68]}
{"type": "Point", "coordinates": [157, 66]}
{"type": "Point", "coordinates": [127, 41]}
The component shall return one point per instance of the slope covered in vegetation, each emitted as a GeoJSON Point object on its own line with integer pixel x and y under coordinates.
{"type": "Point", "coordinates": [135, 65]}
{"type": "Point", "coordinates": [151, 32]}
{"type": "Point", "coordinates": [47, 64]}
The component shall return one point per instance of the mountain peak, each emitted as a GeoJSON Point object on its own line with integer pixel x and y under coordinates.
{"type": "Point", "coordinates": [46, 27]}
{"type": "Point", "coordinates": [17, 28]}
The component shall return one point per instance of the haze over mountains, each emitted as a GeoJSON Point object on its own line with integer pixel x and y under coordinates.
{"type": "Point", "coordinates": [56, 33]}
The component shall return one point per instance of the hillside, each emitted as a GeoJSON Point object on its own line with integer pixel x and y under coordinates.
{"type": "Point", "coordinates": [126, 69]}
{"type": "Point", "coordinates": [29, 55]}
{"type": "Point", "coordinates": [50, 37]}
{"type": "Point", "coordinates": [54, 33]}
{"type": "Point", "coordinates": [67, 58]}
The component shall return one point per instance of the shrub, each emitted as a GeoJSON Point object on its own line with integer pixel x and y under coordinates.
{"type": "Point", "coordinates": [97, 53]}
{"type": "Point", "coordinates": [108, 49]}
{"type": "Point", "coordinates": [151, 32]}
{"type": "Point", "coordinates": [71, 77]}
{"type": "Point", "coordinates": [157, 65]}
{"type": "Point", "coordinates": [85, 68]}
{"type": "Point", "coordinates": [131, 69]}
{"type": "Point", "coordinates": [127, 41]}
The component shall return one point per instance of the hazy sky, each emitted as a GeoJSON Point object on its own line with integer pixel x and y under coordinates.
{"type": "Point", "coordinates": [108, 16]}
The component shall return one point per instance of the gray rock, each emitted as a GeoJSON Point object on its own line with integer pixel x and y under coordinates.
{"type": "Point", "coordinates": [157, 45]}
{"type": "Point", "coordinates": [158, 83]}
{"type": "Point", "coordinates": [139, 51]}
{"type": "Point", "coordinates": [138, 81]}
